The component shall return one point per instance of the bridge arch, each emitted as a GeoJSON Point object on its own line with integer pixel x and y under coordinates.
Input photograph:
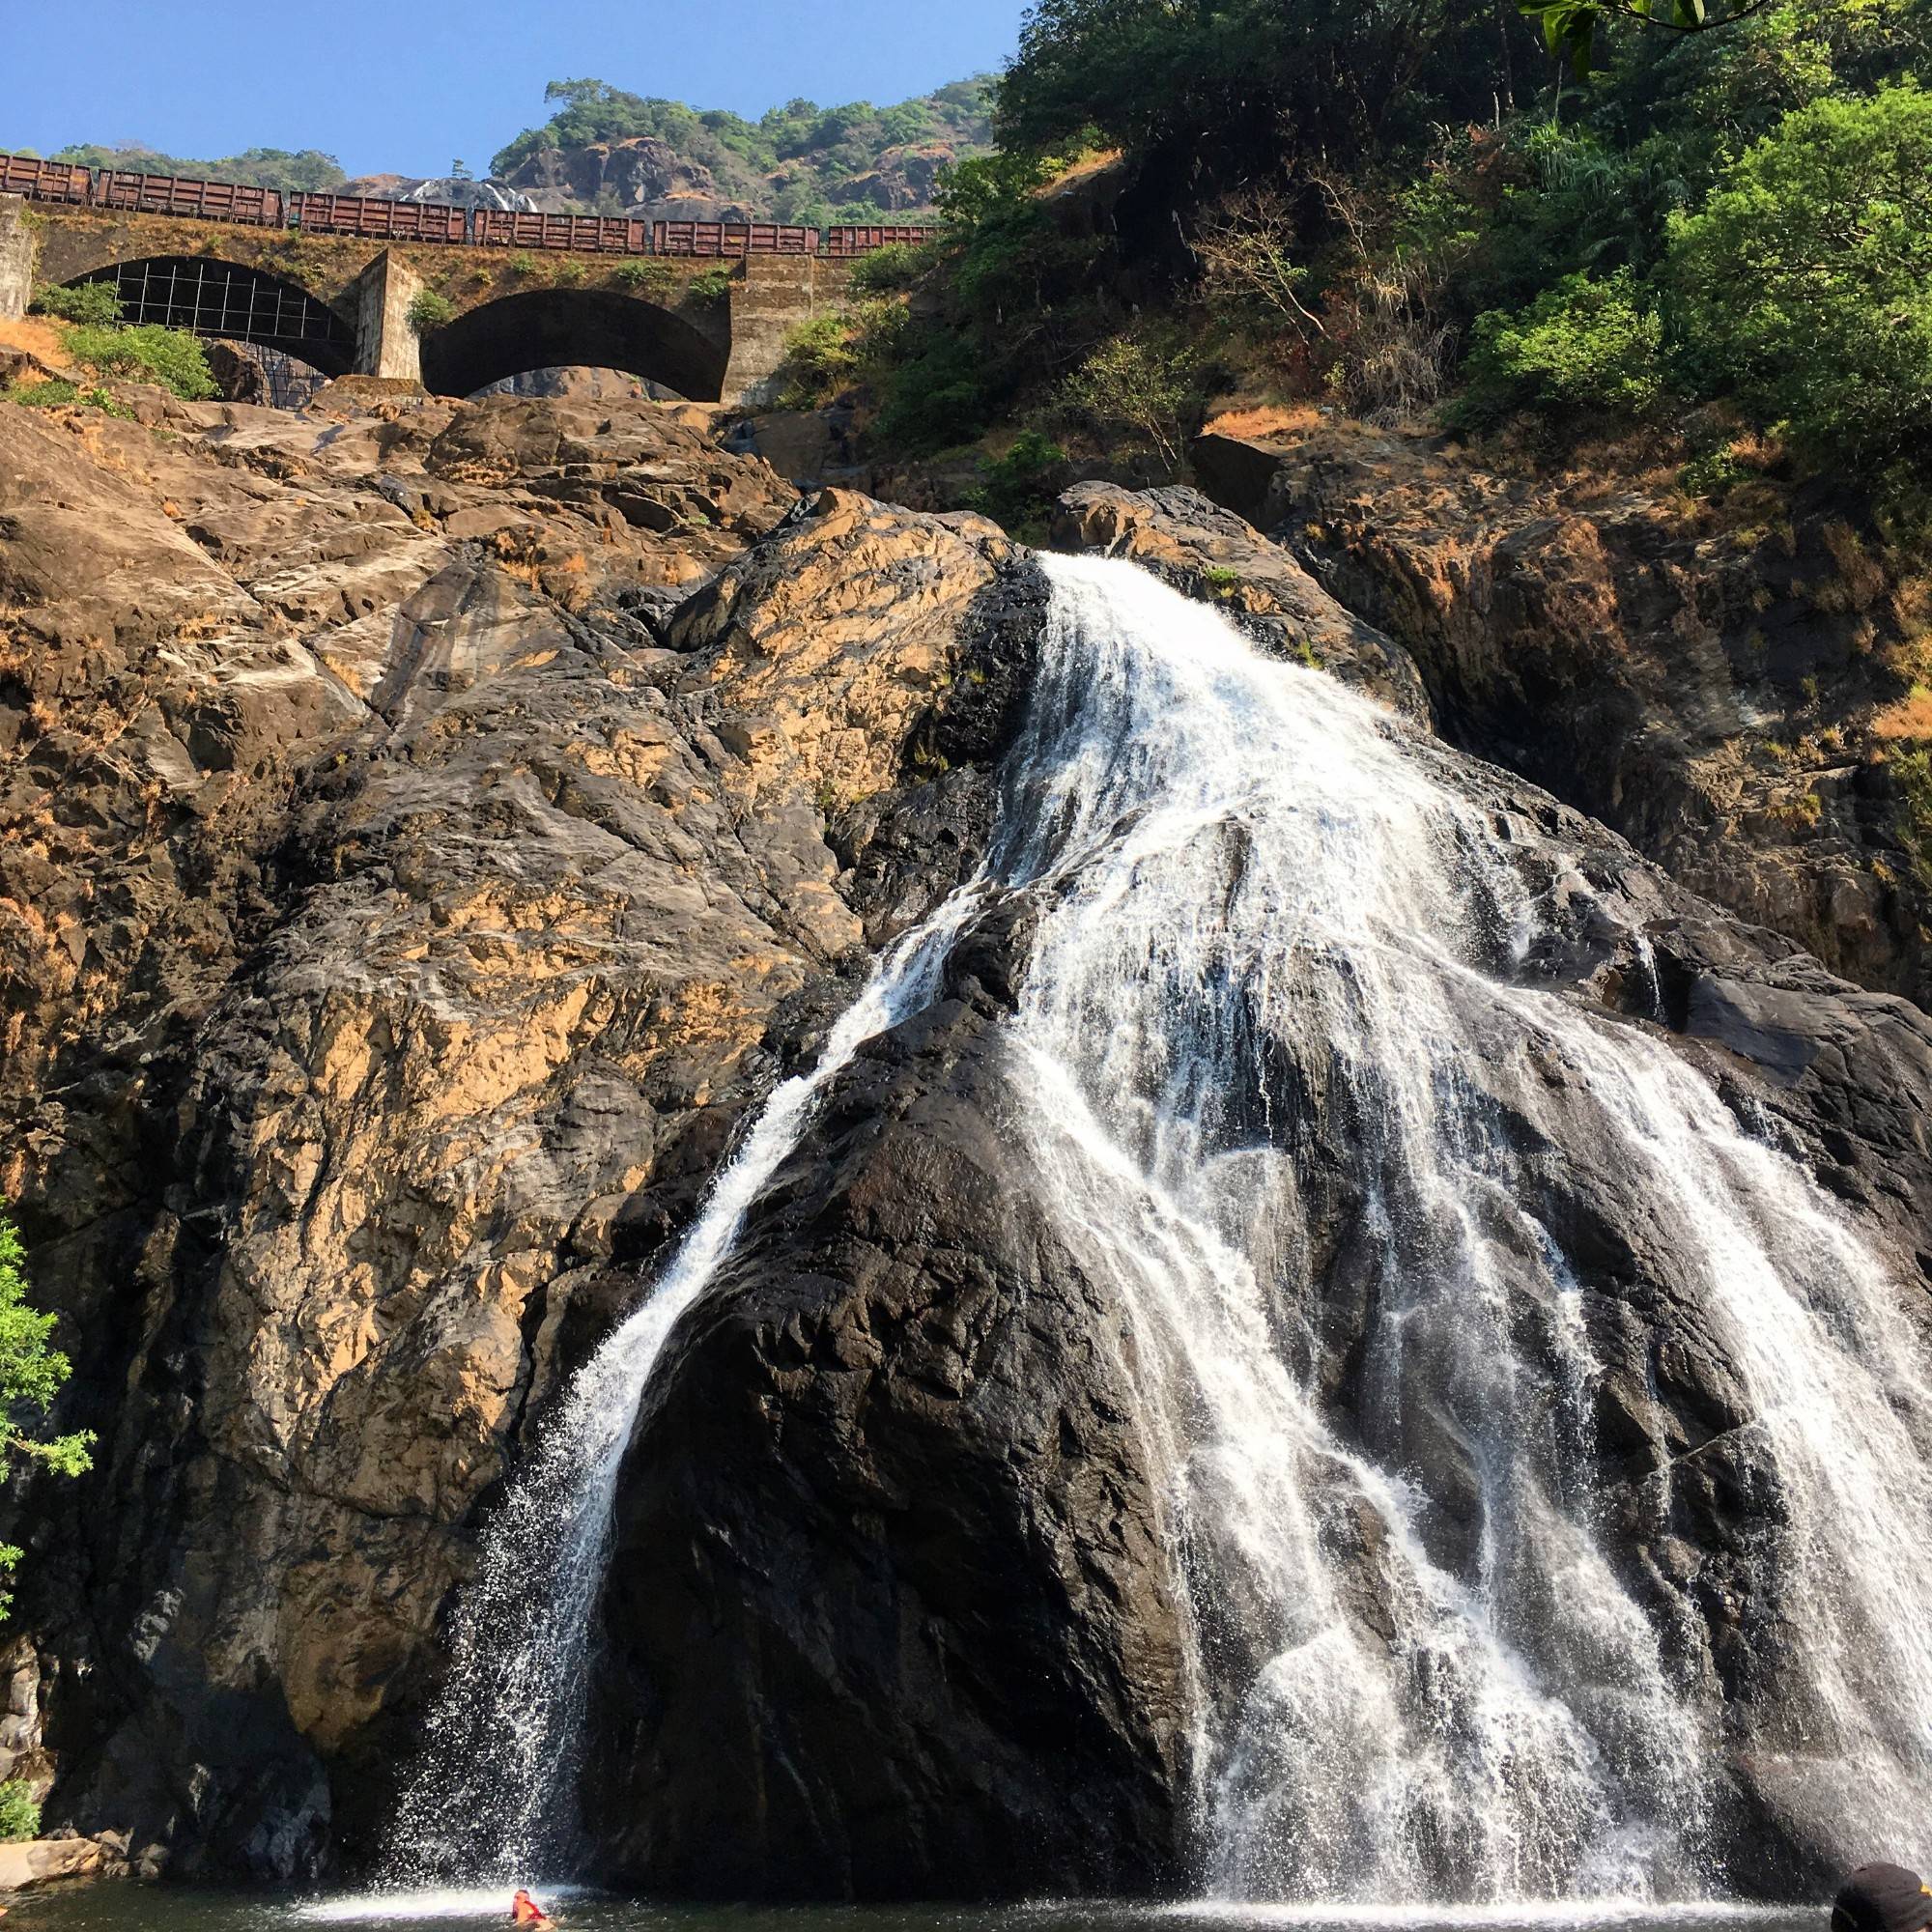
{"type": "Point", "coordinates": [562, 328]}
{"type": "Point", "coordinates": [211, 298]}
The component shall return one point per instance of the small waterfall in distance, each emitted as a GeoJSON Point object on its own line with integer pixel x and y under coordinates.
{"type": "Point", "coordinates": [1267, 904]}
{"type": "Point", "coordinates": [492, 1791]}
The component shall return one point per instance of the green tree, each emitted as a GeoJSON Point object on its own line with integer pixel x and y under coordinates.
{"type": "Point", "coordinates": [146, 351]}
{"type": "Point", "coordinates": [1803, 285]}
{"type": "Point", "coordinates": [86, 301]}
{"type": "Point", "coordinates": [1134, 388]}
{"type": "Point", "coordinates": [427, 311]}
{"type": "Point", "coordinates": [1570, 27]}
{"type": "Point", "coordinates": [1586, 343]}
{"type": "Point", "coordinates": [20, 1812]}
{"type": "Point", "coordinates": [31, 1375]}
{"type": "Point", "coordinates": [1228, 86]}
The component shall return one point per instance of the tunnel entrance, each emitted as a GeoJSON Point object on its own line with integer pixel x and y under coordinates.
{"type": "Point", "coordinates": [216, 299]}
{"type": "Point", "coordinates": [584, 328]}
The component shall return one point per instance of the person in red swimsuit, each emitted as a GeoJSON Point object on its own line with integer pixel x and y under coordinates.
{"type": "Point", "coordinates": [526, 1911]}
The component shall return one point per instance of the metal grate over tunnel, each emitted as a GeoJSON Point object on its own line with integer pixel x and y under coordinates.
{"type": "Point", "coordinates": [217, 298]}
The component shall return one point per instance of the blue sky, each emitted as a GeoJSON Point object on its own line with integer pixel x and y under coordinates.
{"type": "Point", "coordinates": [405, 86]}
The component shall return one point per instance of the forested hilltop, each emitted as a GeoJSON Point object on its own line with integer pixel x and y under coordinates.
{"type": "Point", "coordinates": [1719, 227]}
{"type": "Point", "coordinates": [800, 162]}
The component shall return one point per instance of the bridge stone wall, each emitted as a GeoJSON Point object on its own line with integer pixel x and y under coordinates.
{"type": "Point", "coordinates": [386, 345]}
{"type": "Point", "coordinates": [17, 257]}
{"type": "Point", "coordinates": [369, 284]}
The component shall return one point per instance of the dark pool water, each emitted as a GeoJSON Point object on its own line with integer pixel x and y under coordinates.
{"type": "Point", "coordinates": [128, 1908]}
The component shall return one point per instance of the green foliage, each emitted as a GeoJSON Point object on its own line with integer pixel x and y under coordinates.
{"type": "Point", "coordinates": [986, 187]}
{"type": "Point", "coordinates": [89, 302]}
{"type": "Point", "coordinates": [1804, 283]}
{"type": "Point", "coordinates": [20, 1812]}
{"type": "Point", "coordinates": [1007, 300]}
{"type": "Point", "coordinates": [148, 352]}
{"type": "Point", "coordinates": [787, 163]}
{"type": "Point", "coordinates": [832, 353]}
{"type": "Point", "coordinates": [1245, 81]}
{"type": "Point", "coordinates": [938, 396]}
{"type": "Point", "coordinates": [818, 361]}
{"type": "Point", "coordinates": [710, 285]}
{"type": "Point", "coordinates": [429, 310]}
{"type": "Point", "coordinates": [103, 400]}
{"type": "Point", "coordinates": [304, 169]}
{"type": "Point", "coordinates": [886, 270]}
{"type": "Point", "coordinates": [1367, 193]}
{"type": "Point", "coordinates": [1131, 387]}
{"type": "Point", "coordinates": [56, 392]}
{"type": "Point", "coordinates": [1586, 343]}
{"type": "Point", "coordinates": [31, 1375]}
{"type": "Point", "coordinates": [1018, 489]}
{"type": "Point", "coordinates": [523, 265]}
{"type": "Point", "coordinates": [1570, 27]}
{"type": "Point", "coordinates": [646, 277]}
{"type": "Point", "coordinates": [1712, 474]}
{"type": "Point", "coordinates": [1911, 769]}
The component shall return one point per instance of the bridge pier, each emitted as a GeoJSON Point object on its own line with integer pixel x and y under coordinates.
{"type": "Point", "coordinates": [386, 345]}
{"type": "Point", "coordinates": [17, 257]}
{"type": "Point", "coordinates": [772, 296]}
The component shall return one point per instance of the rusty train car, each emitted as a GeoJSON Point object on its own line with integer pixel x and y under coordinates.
{"type": "Point", "coordinates": [367, 215]}
{"type": "Point", "coordinates": [845, 242]}
{"type": "Point", "coordinates": [370, 217]}
{"type": "Point", "coordinates": [731, 239]}
{"type": "Point", "coordinates": [44, 180]}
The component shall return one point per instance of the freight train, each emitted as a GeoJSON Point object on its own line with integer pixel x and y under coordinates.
{"type": "Point", "coordinates": [375, 219]}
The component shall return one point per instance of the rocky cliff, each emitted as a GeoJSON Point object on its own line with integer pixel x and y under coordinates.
{"type": "Point", "coordinates": [642, 176]}
{"type": "Point", "coordinates": [1715, 688]}
{"type": "Point", "coordinates": [429, 827]}
{"type": "Point", "coordinates": [396, 926]}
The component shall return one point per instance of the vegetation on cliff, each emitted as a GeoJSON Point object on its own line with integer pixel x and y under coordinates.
{"type": "Point", "coordinates": [31, 1375]}
{"type": "Point", "coordinates": [94, 335]}
{"type": "Point", "coordinates": [1428, 217]}
{"type": "Point", "coordinates": [797, 162]}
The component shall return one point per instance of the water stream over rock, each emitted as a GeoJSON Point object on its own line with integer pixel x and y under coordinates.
{"type": "Point", "coordinates": [1367, 1195]}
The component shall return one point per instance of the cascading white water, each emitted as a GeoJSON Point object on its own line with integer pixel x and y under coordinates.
{"type": "Point", "coordinates": [494, 1789]}
{"type": "Point", "coordinates": [1267, 905]}
{"type": "Point", "coordinates": [1272, 904]}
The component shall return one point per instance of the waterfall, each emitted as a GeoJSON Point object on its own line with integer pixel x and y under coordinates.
{"type": "Point", "coordinates": [494, 1789]}
{"type": "Point", "coordinates": [1269, 905]}
{"type": "Point", "coordinates": [1278, 1066]}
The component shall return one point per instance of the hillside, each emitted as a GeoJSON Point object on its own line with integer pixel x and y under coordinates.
{"type": "Point", "coordinates": [307, 169]}
{"type": "Point", "coordinates": [610, 152]}
{"type": "Point", "coordinates": [607, 152]}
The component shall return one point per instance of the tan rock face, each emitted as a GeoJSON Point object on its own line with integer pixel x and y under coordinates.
{"type": "Point", "coordinates": [45, 1861]}
{"type": "Point", "coordinates": [395, 913]}
{"type": "Point", "coordinates": [1709, 694]}
{"type": "Point", "coordinates": [830, 644]}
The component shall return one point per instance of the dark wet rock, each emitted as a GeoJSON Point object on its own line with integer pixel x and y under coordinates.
{"type": "Point", "coordinates": [889, 1608]}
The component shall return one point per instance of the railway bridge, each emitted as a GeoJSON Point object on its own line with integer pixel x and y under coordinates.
{"type": "Point", "coordinates": [702, 309]}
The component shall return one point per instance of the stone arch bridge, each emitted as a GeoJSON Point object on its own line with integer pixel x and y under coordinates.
{"type": "Point", "coordinates": [712, 331]}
